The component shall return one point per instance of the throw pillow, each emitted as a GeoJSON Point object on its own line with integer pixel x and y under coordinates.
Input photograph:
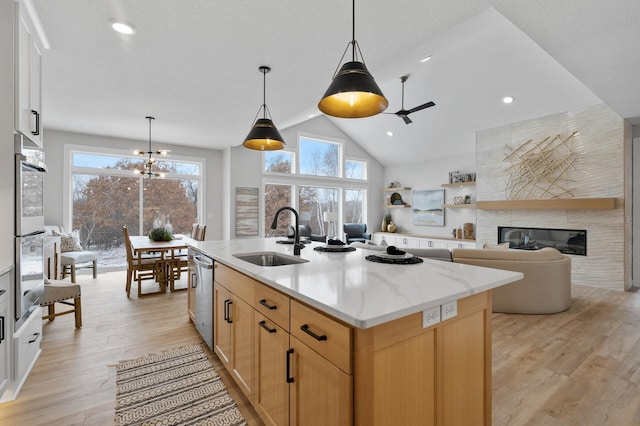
{"type": "Point", "coordinates": [501, 246]}
{"type": "Point", "coordinates": [68, 242]}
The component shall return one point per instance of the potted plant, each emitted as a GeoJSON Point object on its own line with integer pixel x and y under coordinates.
{"type": "Point", "coordinates": [160, 234]}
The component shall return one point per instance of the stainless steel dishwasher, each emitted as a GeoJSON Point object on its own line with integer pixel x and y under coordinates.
{"type": "Point", "coordinates": [203, 292]}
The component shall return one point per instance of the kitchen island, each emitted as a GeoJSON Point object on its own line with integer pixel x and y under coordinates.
{"type": "Point", "coordinates": [342, 340]}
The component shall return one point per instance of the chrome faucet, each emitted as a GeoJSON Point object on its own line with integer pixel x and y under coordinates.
{"type": "Point", "coordinates": [296, 242]}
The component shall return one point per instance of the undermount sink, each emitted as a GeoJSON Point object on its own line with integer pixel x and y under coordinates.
{"type": "Point", "coordinates": [269, 258]}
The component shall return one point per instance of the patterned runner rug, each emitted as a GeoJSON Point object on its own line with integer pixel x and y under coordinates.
{"type": "Point", "coordinates": [179, 387]}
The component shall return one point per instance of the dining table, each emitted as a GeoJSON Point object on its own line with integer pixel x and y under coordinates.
{"type": "Point", "coordinates": [171, 257]}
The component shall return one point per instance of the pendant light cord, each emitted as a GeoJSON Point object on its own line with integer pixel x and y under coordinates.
{"type": "Point", "coordinates": [264, 92]}
{"type": "Point", "coordinates": [353, 30]}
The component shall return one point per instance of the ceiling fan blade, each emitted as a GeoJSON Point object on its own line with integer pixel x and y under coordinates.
{"type": "Point", "coordinates": [406, 119]}
{"type": "Point", "coordinates": [421, 107]}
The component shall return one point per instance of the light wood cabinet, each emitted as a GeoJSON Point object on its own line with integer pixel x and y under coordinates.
{"type": "Point", "coordinates": [321, 393]}
{"type": "Point", "coordinates": [28, 99]}
{"type": "Point", "coordinates": [316, 370]}
{"type": "Point", "coordinates": [272, 388]}
{"type": "Point", "coordinates": [233, 336]}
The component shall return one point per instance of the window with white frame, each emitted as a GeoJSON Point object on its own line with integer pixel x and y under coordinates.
{"type": "Point", "coordinates": [107, 192]}
{"type": "Point", "coordinates": [324, 183]}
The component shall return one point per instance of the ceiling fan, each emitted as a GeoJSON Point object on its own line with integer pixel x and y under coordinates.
{"type": "Point", "coordinates": [404, 113]}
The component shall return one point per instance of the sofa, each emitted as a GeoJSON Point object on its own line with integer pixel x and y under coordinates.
{"type": "Point", "coordinates": [545, 288]}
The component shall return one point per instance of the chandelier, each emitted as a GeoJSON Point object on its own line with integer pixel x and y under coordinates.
{"type": "Point", "coordinates": [147, 170]}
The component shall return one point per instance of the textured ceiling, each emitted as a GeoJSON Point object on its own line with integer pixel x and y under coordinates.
{"type": "Point", "coordinates": [194, 66]}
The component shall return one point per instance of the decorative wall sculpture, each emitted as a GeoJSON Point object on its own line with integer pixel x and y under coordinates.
{"type": "Point", "coordinates": [540, 169]}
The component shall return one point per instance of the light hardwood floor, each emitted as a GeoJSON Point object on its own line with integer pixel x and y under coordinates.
{"type": "Point", "coordinates": [580, 367]}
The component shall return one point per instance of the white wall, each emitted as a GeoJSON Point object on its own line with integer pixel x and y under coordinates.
{"type": "Point", "coordinates": [430, 174]}
{"type": "Point", "coordinates": [246, 165]}
{"type": "Point", "coordinates": [54, 183]}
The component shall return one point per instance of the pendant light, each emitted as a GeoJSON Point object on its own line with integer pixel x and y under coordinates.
{"type": "Point", "coordinates": [264, 136]}
{"type": "Point", "coordinates": [149, 164]}
{"type": "Point", "coordinates": [353, 93]}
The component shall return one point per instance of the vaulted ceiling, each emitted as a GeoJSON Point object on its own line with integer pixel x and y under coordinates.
{"type": "Point", "coordinates": [194, 66]}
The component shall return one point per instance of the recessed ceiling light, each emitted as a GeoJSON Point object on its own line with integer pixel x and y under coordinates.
{"type": "Point", "coordinates": [389, 133]}
{"type": "Point", "coordinates": [311, 115]}
{"type": "Point", "coordinates": [122, 27]}
{"type": "Point", "coordinates": [508, 99]}
{"type": "Point", "coordinates": [425, 59]}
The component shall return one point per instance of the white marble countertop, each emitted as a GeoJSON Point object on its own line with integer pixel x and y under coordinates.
{"type": "Point", "coordinates": [353, 289]}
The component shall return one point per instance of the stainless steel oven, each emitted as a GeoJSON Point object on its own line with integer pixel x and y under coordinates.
{"type": "Point", "coordinates": [29, 227]}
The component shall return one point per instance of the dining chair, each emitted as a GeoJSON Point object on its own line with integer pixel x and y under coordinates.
{"type": "Point", "coordinates": [139, 268]}
{"type": "Point", "coordinates": [179, 260]}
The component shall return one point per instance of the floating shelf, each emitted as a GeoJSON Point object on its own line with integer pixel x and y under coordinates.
{"type": "Point", "coordinates": [450, 185]}
{"type": "Point", "coordinates": [459, 206]}
{"type": "Point", "coordinates": [397, 206]}
{"type": "Point", "coordinates": [403, 188]}
{"type": "Point", "coordinates": [551, 204]}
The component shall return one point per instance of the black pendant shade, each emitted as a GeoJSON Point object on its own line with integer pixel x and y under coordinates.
{"type": "Point", "coordinates": [264, 135]}
{"type": "Point", "coordinates": [353, 93]}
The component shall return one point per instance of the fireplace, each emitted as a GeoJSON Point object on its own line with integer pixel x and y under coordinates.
{"type": "Point", "coordinates": [568, 241]}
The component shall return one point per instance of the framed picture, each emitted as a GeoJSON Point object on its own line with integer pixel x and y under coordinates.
{"type": "Point", "coordinates": [427, 207]}
{"type": "Point", "coordinates": [247, 210]}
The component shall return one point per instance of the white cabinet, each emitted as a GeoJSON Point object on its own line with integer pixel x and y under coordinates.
{"type": "Point", "coordinates": [406, 241]}
{"type": "Point", "coordinates": [26, 349]}
{"type": "Point", "coordinates": [28, 75]}
{"type": "Point", "coordinates": [460, 244]}
{"type": "Point", "coordinates": [5, 332]}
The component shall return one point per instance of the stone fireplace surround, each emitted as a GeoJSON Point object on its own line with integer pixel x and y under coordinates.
{"type": "Point", "coordinates": [602, 169]}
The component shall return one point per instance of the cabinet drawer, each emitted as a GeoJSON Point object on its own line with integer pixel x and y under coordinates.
{"type": "Point", "coordinates": [27, 344]}
{"type": "Point", "coordinates": [237, 283]}
{"type": "Point", "coordinates": [272, 304]}
{"type": "Point", "coordinates": [332, 340]}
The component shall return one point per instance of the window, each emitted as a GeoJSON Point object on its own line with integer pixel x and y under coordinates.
{"type": "Point", "coordinates": [354, 206]}
{"type": "Point", "coordinates": [276, 196]}
{"type": "Point", "coordinates": [319, 158]}
{"type": "Point", "coordinates": [354, 169]}
{"type": "Point", "coordinates": [108, 193]}
{"type": "Point", "coordinates": [319, 186]}
{"type": "Point", "coordinates": [313, 202]}
{"type": "Point", "coordinates": [278, 161]}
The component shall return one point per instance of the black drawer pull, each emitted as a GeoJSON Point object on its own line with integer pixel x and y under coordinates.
{"type": "Point", "coordinates": [264, 303]}
{"type": "Point", "coordinates": [289, 378]}
{"type": "Point", "coordinates": [305, 328]}
{"type": "Point", "coordinates": [227, 311]}
{"type": "Point", "coordinates": [1, 329]}
{"type": "Point", "coordinates": [35, 337]}
{"type": "Point", "coordinates": [37, 114]}
{"type": "Point", "coordinates": [264, 325]}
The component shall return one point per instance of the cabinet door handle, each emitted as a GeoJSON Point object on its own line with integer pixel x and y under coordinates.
{"type": "Point", "coordinates": [305, 328]}
{"type": "Point", "coordinates": [264, 325]}
{"type": "Point", "coordinates": [227, 303]}
{"type": "Point", "coordinates": [289, 353]}
{"type": "Point", "coordinates": [194, 280]}
{"type": "Point", "coordinates": [1, 329]}
{"type": "Point", "coordinates": [35, 337]}
{"type": "Point", "coordinates": [264, 303]}
{"type": "Point", "coordinates": [229, 319]}
{"type": "Point", "coordinates": [37, 114]}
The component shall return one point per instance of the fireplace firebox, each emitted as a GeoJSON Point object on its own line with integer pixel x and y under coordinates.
{"type": "Point", "coordinates": [568, 241]}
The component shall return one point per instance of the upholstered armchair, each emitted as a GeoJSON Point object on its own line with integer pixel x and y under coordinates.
{"type": "Point", "coordinates": [73, 256]}
{"type": "Point", "coordinates": [355, 232]}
